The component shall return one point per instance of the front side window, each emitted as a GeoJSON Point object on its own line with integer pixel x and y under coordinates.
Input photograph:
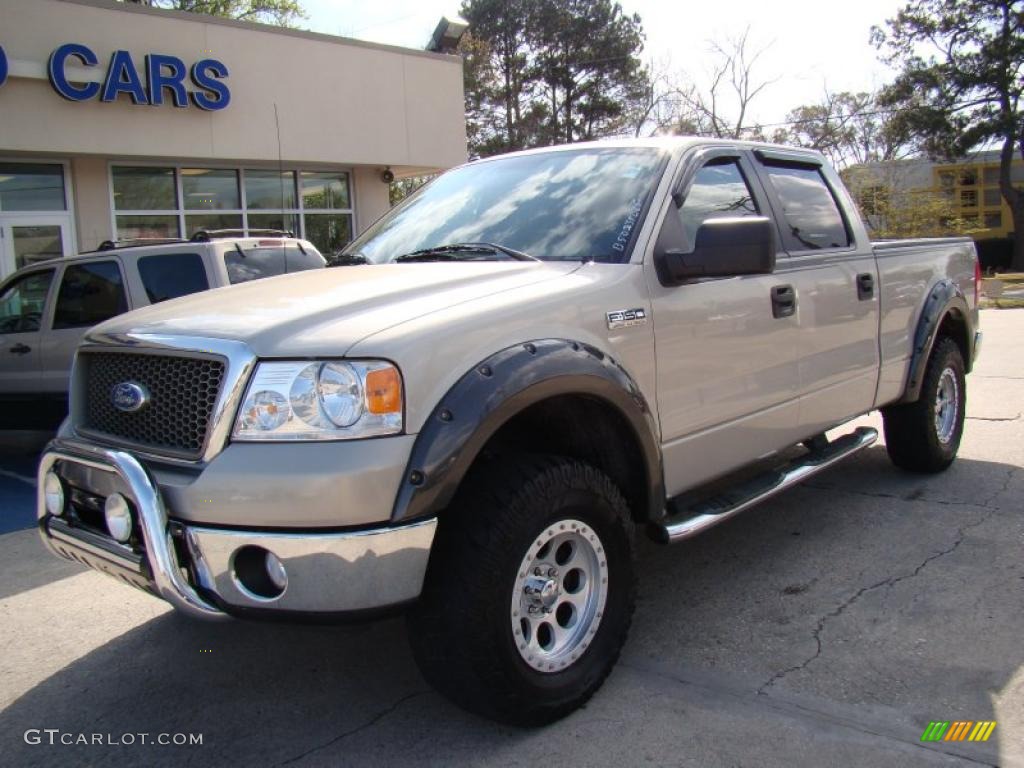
{"type": "Point", "coordinates": [577, 204]}
{"type": "Point", "coordinates": [89, 294]}
{"type": "Point", "coordinates": [170, 275]}
{"type": "Point", "coordinates": [812, 217]}
{"type": "Point", "coordinates": [718, 191]}
{"type": "Point", "coordinates": [23, 301]}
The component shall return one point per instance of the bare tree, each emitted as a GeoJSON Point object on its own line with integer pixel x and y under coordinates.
{"type": "Point", "coordinates": [723, 108]}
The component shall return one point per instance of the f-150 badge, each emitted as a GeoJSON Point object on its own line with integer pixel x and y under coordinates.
{"type": "Point", "coordinates": [624, 318]}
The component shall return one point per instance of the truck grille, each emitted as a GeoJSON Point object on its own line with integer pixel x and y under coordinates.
{"type": "Point", "coordinates": [183, 393]}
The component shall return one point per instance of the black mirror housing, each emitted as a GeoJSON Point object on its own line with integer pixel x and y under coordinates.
{"type": "Point", "coordinates": [723, 248]}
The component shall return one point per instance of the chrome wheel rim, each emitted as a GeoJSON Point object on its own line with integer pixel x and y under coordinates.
{"type": "Point", "coordinates": [559, 596]}
{"type": "Point", "coordinates": [947, 404]}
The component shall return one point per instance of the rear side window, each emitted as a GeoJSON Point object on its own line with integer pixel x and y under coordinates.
{"type": "Point", "coordinates": [812, 217]}
{"type": "Point", "coordinates": [22, 302]}
{"type": "Point", "coordinates": [89, 294]}
{"type": "Point", "coordinates": [253, 262]}
{"type": "Point", "coordinates": [170, 275]}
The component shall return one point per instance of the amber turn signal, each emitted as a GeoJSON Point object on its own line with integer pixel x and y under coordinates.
{"type": "Point", "coordinates": [384, 391]}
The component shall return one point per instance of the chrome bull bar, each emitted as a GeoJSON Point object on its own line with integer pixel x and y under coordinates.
{"type": "Point", "coordinates": [168, 581]}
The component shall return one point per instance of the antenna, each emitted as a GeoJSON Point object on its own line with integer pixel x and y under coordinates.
{"type": "Point", "coordinates": [280, 173]}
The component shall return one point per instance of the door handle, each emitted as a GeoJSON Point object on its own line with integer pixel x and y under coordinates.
{"type": "Point", "coordinates": [20, 349]}
{"type": "Point", "coordinates": [865, 286]}
{"type": "Point", "coordinates": [783, 301]}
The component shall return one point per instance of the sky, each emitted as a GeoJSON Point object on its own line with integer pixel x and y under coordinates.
{"type": "Point", "coordinates": [809, 44]}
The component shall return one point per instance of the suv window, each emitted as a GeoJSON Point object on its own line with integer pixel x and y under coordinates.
{"type": "Point", "coordinates": [813, 220]}
{"type": "Point", "coordinates": [254, 262]}
{"type": "Point", "coordinates": [23, 301]}
{"type": "Point", "coordinates": [718, 190]}
{"type": "Point", "coordinates": [170, 275]}
{"type": "Point", "coordinates": [89, 294]}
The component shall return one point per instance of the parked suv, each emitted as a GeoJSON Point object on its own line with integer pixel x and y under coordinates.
{"type": "Point", "coordinates": [46, 308]}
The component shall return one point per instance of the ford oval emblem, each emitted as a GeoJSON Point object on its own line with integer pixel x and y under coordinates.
{"type": "Point", "coordinates": [129, 396]}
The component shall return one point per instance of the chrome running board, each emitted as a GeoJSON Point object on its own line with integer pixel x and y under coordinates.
{"type": "Point", "coordinates": [689, 522]}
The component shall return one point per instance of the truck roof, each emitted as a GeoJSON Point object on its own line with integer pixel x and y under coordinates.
{"type": "Point", "coordinates": [669, 143]}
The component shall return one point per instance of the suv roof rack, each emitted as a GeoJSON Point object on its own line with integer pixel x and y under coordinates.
{"type": "Point", "coordinates": [206, 235]}
{"type": "Point", "coordinates": [111, 245]}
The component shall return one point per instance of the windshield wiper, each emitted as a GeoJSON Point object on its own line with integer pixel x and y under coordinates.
{"type": "Point", "coordinates": [347, 260]}
{"type": "Point", "coordinates": [451, 252]}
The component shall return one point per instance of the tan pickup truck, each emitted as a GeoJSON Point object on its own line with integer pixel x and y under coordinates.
{"type": "Point", "coordinates": [525, 362]}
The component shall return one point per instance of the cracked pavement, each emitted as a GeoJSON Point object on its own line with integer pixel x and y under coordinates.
{"type": "Point", "coordinates": [827, 626]}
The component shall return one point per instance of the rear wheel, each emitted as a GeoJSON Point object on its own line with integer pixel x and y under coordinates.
{"type": "Point", "coordinates": [529, 593]}
{"type": "Point", "coordinates": [924, 436]}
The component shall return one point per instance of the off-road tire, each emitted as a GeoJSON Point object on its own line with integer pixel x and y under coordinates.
{"type": "Point", "coordinates": [911, 435]}
{"type": "Point", "coordinates": [460, 630]}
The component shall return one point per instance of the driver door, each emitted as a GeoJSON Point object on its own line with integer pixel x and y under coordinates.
{"type": "Point", "coordinates": [23, 303]}
{"type": "Point", "coordinates": [727, 378]}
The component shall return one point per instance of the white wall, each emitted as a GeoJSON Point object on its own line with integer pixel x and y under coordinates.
{"type": "Point", "coordinates": [338, 102]}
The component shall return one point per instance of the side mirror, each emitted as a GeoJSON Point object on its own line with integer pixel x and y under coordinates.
{"type": "Point", "coordinates": [723, 248]}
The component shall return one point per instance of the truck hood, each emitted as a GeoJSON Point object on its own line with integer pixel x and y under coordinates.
{"type": "Point", "coordinates": [326, 311]}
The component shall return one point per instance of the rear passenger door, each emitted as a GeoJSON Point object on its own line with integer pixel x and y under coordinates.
{"type": "Point", "coordinates": [89, 293]}
{"type": "Point", "coordinates": [835, 282]}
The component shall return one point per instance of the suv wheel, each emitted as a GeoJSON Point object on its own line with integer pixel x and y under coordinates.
{"type": "Point", "coordinates": [529, 594]}
{"type": "Point", "coordinates": [924, 436]}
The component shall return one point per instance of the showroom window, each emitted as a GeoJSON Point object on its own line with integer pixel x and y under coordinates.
{"type": "Point", "coordinates": [170, 202]}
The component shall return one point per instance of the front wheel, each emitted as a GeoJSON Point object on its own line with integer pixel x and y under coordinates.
{"type": "Point", "coordinates": [529, 594]}
{"type": "Point", "coordinates": [924, 436]}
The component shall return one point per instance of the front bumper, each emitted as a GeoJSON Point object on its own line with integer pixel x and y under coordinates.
{"type": "Point", "coordinates": [206, 572]}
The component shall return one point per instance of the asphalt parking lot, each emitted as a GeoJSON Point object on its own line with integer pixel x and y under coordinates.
{"type": "Point", "coordinates": [828, 626]}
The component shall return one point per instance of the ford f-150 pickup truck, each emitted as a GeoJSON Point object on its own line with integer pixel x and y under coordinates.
{"type": "Point", "coordinates": [523, 363]}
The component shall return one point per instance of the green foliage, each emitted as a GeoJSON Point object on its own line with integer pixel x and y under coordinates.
{"type": "Point", "coordinates": [892, 210]}
{"type": "Point", "coordinates": [281, 12]}
{"type": "Point", "coordinates": [544, 72]}
{"type": "Point", "coordinates": [960, 82]}
{"type": "Point", "coordinates": [848, 128]}
{"type": "Point", "coordinates": [402, 188]}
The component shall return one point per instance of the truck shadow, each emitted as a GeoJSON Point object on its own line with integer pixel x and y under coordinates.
{"type": "Point", "coordinates": [862, 555]}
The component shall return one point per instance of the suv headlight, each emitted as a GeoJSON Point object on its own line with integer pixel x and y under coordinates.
{"type": "Point", "coordinates": [321, 400]}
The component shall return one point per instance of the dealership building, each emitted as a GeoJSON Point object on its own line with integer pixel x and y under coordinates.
{"type": "Point", "coordinates": [123, 121]}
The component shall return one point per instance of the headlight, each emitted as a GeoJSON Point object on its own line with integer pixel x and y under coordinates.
{"type": "Point", "coordinates": [324, 400]}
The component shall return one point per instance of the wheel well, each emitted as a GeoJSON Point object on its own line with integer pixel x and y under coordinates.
{"type": "Point", "coordinates": [954, 326]}
{"type": "Point", "coordinates": [581, 427]}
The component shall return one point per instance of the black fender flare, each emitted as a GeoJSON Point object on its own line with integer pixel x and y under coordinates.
{"type": "Point", "coordinates": [943, 298]}
{"type": "Point", "coordinates": [500, 387]}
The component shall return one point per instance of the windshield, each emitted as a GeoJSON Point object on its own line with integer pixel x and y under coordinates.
{"type": "Point", "coordinates": [567, 205]}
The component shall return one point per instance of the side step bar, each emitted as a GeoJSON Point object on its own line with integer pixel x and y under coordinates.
{"type": "Point", "coordinates": [696, 519]}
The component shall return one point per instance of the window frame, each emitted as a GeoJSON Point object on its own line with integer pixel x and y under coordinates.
{"type": "Point", "coordinates": [716, 156]}
{"type": "Point", "coordinates": [54, 297]}
{"type": "Point", "coordinates": [763, 160]}
{"type": "Point", "coordinates": [180, 212]}
{"type": "Point", "coordinates": [67, 218]}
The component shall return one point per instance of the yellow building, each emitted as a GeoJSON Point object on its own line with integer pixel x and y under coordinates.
{"type": "Point", "coordinates": [973, 188]}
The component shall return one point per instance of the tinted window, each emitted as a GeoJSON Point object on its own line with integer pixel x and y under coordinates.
{"type": "Point", "coordinates": [253, 263]}
{"type": "Point", "coordinates": [570, 204]}
{"type": "Point", "coordinates": [718, 190]}
{"type": "Point", "coordinates": [812, 217]}
{"type": "Point", "coordinates": [23, 301]}
{"type": "Point", "coordinates": [170, 275]}
{"type": "Point", "coordinates": [89, 294]}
